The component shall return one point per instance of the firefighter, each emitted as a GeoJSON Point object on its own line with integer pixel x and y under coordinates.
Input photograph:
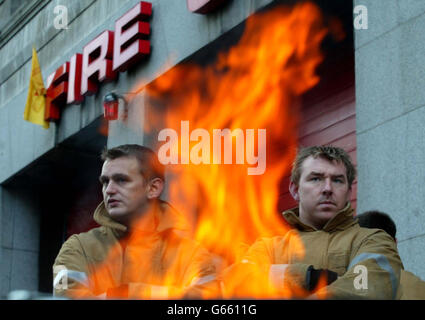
{"type": "Point", "coordinates": [141, 249]}
{"type": "Point", "coordinates": [325, 254]}
{"type": "Point", "coordinates": [411, 286]}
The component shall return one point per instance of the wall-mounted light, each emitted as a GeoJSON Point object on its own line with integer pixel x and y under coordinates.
{"type": "Point", "coordinates": [111, 104]}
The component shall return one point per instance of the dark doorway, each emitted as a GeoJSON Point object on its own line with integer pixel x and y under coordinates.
{"type": "Point", "coordinates": [65, 181]}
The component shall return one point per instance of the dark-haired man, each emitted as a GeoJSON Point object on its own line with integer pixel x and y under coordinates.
{"type": "Point", "coordinates": [140, 249]}
{"type": "Point", "coordinates": [375, 219]}
{"type": "Point", "coordinates": [325, 254]}
{"type": "Point", "coordinates": [411, 286]}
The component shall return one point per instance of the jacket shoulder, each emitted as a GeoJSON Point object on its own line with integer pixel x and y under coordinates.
{"type": "Point", "coordinates": [71, 255]}
{"type": "Point", "coordinates": [97, 240]}
{"type": "Point", "coordinates": [378, 234]}
{"type": "Point", "coordinates": [357, 235]}
{"type": "Point", "coordinates": [91, 246]}
{"type": "Point", "coordinates": [95, 233]}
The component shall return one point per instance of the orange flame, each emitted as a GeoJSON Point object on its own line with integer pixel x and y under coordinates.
{"type": "Point", "coordinates": [254, 85]}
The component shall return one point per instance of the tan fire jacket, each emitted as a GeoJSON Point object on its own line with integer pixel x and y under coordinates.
{"type": "Point", "coordinates": [412, 287]}
{"type": "Point", "coordinates": [157, 262]}
{"type": "Point", "coordinates": [366, 260]}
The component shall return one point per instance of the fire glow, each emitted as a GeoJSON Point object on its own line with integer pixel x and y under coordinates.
{"type": "Point", "coordinates": [254, 85]}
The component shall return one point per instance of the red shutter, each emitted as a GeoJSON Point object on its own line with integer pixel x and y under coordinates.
{"type": "Point", "coordinates": [331, 121]}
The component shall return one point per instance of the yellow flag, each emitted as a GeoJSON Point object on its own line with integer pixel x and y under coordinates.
{"type": "Point", "coordinates": [36, 100]}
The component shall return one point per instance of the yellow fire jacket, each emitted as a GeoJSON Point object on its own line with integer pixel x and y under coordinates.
{"type": "Point", "coordinates": [366, 260]}
{"type": "Point", "coordinates": [154, 262]}
{"type": "Point", "coordinates": [413, 287]}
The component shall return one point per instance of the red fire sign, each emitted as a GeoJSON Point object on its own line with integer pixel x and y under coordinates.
{"type": "Point", "coordinates": [102, 58]}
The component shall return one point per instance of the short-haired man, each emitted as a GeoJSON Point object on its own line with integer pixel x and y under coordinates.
{"type": "Point", "coordinates": [411, 286]}
{"type": "Point", "coordinates": [325, 253]}
{"type": "Point", "coordinates": [140, 249]}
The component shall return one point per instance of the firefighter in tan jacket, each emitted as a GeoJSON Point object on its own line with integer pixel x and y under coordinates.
{"type": "Point", "coordinates": [140, 251]}
{"type": "Point", "coordinates": [411, 286]}
{"type": "Point", "coordinates": [325, 254]}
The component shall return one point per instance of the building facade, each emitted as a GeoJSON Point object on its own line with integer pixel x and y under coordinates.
{"type": "Point", "coordinates": [389, 116]}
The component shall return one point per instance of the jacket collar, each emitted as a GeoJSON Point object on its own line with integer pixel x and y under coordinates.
{"type": "Point", "coordinates": [162, 218]}
{"type": "Point", "coordinates": [342, 220]}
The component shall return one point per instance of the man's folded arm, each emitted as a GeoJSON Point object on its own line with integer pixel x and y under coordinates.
{"type": "Point", "coordinates": [70, 274]}
{"type": "Point", "coordinates": [373, 271]}
{"type": "Point", "coordinates": [258, 264]}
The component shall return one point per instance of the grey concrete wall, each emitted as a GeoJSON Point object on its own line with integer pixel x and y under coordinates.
{"type": "Point", "coordinates": [390, 116]}
{"type": "Point", "coordinates": [19, 236]}
{"type": "Point", "coordinates": [176, 33]}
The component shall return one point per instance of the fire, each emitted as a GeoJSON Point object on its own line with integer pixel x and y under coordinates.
{"type": "Point", "coordinates": [254, 85]}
